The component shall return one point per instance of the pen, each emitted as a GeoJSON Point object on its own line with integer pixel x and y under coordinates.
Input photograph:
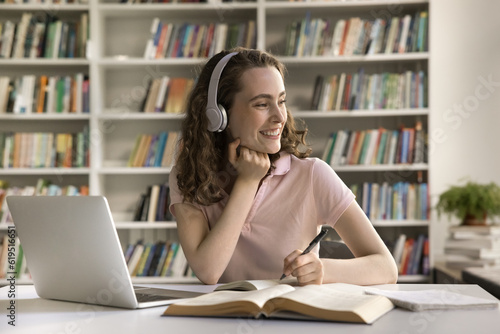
{"type": "Point", "coordinates": [313, 243]}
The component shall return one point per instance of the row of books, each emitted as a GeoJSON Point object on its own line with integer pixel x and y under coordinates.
{"type": "Point", "coordinates": [44, 36]}
{"type": "Point", "coordinates": [43, 187]}
{"type": "Point", "coordinates": [153, 204]}
{"type": "Point", "coordinates": [160, 259]}
{"type": "Point", "coordinates": [154, 150]}
{"type": "Point", "coordinates": [473, 246]}
{"type": "Point", "coordinates": [167, 94]}
{"type": "Point", "coordinates": [399, 201]}
{"type": "Point", "coordinates": [44, 94]}
{"type": "Point", "coordinates": [376, 146]}
{"type": "Point", "coordinates": [360, 90]}
{"type": "Point", "coordinates": [357, 36]}
{"type": "Point", "coordinates": [44, 149]}
{"type": "Point", "coordinates": [189, 40]}
{"type": "Point", "coordinates": [12, 259]}
{"type": "Point", "coordinates": [412, 255]}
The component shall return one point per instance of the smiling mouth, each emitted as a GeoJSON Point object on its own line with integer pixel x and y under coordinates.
{"type": "Point", "coordinates": [271, 133]}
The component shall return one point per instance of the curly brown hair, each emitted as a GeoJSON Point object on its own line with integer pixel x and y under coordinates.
{"type": "Point", "coordinates": [203, 154]}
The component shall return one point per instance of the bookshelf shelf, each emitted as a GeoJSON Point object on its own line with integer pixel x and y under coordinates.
{"type": "Point", "coordinates": [44, 117]}
{"type": "Point", "coordinates": [145, 225]}
{"type": "Point", "coordinates": [66, 62]}
{"type": "Point", "coordinates": [381, 168]}
{"type": "Point", "coordinates": [119, 75]}
{"type": "Point", "coordinates": [117, 114]}
{"type": "Point", "coordinates": [70, 7]}
{"type": "Point", "coordinates": [135, 280]}
{"type": "Point", "coordinates": [360, 113]}
{"type": "Point", "coordinates": [126, 61]}
{"type": "Point", "coordinates": [280, 4]}
{"type": "Point", "coordinates": [44, 171]}
{"type": "Point", "coordinates": [164, 280]}
{"type": "Point", "coordinates": [413, 279]}
{"type": "Point", "coordinates": [400, 223]}
{"type": "Point", "coordinates": [376, 58]}
{"type": "Point", "coordinates": [22, 281]}
{"type": "Point", "coordinates": [133, 170]}
{"type": "Point", "coordinates": [4, 227]}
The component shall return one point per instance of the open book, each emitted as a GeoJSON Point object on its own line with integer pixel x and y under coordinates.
{"type": "Point", "coordinates": [313, 302]}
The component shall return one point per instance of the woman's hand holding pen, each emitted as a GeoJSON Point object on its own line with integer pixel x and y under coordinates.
{"type": "Point", "coordinates": [308, 268]}
{"type": "Point", "coordinates": [250, 165]}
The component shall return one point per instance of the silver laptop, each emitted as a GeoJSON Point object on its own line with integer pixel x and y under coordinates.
{"type": "Point", "coordinates": [73, 253]}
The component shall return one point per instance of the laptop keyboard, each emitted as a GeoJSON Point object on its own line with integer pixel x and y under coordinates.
{"type": "Point", "coordinates": [144, 294]}
{"type": "Point", "coordinates": [145, 297]}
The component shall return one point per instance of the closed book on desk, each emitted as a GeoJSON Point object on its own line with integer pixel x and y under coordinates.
{"type": "Point", "coordinates": [434, 299]}
{"type": "Point", "coordinates": [312, 302]}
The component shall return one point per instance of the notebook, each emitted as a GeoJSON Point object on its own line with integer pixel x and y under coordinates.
{"type": "Point", "coordinates": [73, 253]}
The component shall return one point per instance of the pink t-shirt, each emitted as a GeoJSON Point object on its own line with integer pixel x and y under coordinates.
{"type": "Point", "coordinates": [288, 210]}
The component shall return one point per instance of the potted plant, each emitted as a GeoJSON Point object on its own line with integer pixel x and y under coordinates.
{"type": "Point", "coordinates": [472, 203]}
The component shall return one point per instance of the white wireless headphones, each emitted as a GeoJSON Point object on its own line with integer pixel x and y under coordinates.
{"type": "Point", "coordinates": [216, 114]}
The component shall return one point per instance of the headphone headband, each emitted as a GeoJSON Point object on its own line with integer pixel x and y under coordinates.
{"type": "Point", "coordinates": [217, 119]}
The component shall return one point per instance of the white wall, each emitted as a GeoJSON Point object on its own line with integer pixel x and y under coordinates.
{"type": "Point", "coordinates": [465, 110]}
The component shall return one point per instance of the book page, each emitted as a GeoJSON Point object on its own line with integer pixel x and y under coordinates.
{"type": "Point", "coordinates": [227, 302]}
{"type": "Point", "coordinates": [327, 297]}
{"type": "Point", "coordinates": [329, 302]}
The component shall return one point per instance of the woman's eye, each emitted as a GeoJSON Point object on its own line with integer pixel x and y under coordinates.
{"type": "Point", "coordinates": [282, 102]}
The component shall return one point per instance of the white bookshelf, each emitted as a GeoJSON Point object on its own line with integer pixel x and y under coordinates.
{"type": "Point", "coordinates": [119, 76]}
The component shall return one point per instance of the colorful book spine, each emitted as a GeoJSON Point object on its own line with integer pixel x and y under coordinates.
{"type": "Point", "coordinates": [347, 36]}
{"type": "Point", "coordinates": [195, 40]}
{"type": "Point", "coordinates": [153, 204]}
{"type": "Point", "coordinates": [399, 201]}
{"type": "Point", "coordinates": [44, 35]}
{"type": "Point", "coordinates": [365, 91]}
{"type": "Point", "coordinates": [29, 94]}
{"type": "Point", "coordinates": [154, 150]}
{"type": "Point", "coordinates": [44, 150]}
{"type": "Point", "coordinates": [376, 147]}
{"type": "Point", "coordinates": [411, 254]}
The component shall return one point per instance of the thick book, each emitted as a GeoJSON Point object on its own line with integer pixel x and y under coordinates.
{"type": "Point", "coordinates": [327, 302]}
{"type": "Point", "coordinates": [458, 261]}
{"type": "Point", "coordinates": [473, 232]}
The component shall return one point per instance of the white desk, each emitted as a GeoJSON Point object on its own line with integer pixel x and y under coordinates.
{"type": "Point", "coordinates": [40, 316]}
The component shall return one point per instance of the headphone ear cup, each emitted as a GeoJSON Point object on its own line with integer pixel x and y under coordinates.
{"type": "Point", "coordinates": [215, 119]}
{"type": "Point", "coordinates": [223, 116]}
{"type": "Point", "coordinates": [216, 114]}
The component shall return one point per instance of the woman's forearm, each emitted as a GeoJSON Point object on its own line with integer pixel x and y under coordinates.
{"type": "Point", "coordinates": [210, 254]}
{"type": "Point", "coordinates": [365, 270]}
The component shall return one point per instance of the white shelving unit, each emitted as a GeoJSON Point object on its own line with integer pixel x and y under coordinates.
{"type": "Point", "coordinates": [119, 77]}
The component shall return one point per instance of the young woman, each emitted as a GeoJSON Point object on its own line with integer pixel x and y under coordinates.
{"type": "Point", "coordinates": [247, 200]}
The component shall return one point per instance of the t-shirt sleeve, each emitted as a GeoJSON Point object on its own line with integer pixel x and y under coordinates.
{"type": "Point", "coordinates": [176, 196]}
{"type": "Point", "coordinates": [332, 196]}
